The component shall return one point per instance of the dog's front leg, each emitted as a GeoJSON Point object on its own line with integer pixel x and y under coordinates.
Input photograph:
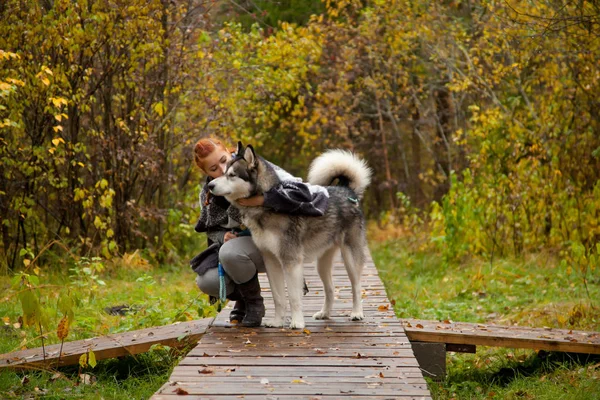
{"type": "Point", "coordinates": [277, 284]}
{"type": "Point", "coordinates": [294, 277]}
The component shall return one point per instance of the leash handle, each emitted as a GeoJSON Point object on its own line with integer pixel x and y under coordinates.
{"type": "Point", "coordinates": [222, 285]}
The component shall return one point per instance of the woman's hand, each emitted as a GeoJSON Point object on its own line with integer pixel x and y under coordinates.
{"type": "Point", "coordinates": [254, 201]}
{"type": "Point", "coordinates": [228, 236]}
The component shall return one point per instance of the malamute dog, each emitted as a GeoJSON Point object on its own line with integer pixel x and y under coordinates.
{"type": "Point", "coordinates": [286, 241]}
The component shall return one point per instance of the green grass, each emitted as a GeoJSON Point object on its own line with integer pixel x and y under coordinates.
{"type": "Point", "coordinates": [158, 296]}
{"type": "Point", "coordinates": [534, 291]}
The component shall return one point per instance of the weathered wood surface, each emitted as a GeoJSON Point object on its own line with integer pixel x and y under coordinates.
{"type": "Point", "coordinates": [549, 339]}
{"type": "Point", "coordinates": [331, 359]}
{"type": "Point", "coordinates": [116, 345]}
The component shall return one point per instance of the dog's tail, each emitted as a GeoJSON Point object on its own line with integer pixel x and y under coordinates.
{"type": "Point", "coordinates": [343, 165]}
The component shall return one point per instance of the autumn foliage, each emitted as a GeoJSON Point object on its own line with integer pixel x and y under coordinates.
{"type": "Point", "coordinates": [480, 117]}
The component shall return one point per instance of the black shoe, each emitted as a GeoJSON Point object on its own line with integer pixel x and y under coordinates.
{"type": "Point", "coordinates": [239, 309]}
{"type": "Point", "coordinates": [255, 306]}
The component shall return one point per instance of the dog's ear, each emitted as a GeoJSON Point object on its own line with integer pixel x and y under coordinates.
{"type": "Point", "coordinates": [240, 149]}
{"type": "Point", "coordinates": [250, 156]}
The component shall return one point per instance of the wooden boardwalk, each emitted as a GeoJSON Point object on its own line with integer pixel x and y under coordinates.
{"type": "Point", "coordinates": [329, 359]}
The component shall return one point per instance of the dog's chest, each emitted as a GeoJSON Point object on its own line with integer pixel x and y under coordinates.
{"type": "Point", "coordinates": [264, 233]}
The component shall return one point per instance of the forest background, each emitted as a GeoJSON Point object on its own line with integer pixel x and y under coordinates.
{"type": "Point", "coordinates": [480, 120]}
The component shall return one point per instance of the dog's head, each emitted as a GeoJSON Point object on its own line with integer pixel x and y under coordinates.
{"type": "Point", "coordinates": [240, 177]}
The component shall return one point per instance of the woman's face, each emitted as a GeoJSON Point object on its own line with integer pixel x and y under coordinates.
{"type": "Point", "coordinates": [215, 163]}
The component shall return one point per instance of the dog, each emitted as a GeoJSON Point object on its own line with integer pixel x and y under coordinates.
{"type": "Point", "coordinates": [287, 241]}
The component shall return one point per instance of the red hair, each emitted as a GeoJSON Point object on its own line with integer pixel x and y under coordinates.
{"type": "Point", "coordinates": [204, 147]}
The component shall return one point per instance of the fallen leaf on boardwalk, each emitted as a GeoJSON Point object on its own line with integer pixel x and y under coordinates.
{"type": "Point", "coordinates": [205, 355]}
{"type": "Point", "coordinates": [299, 381]}
{"type": "Point", "coordinates": [234, 351]}
{"type": "Point", "coordinates": [205, 371]}
{"type": "Point", "coordinates": [371, 376]}
{"type": "Point", "coordinates": [381, 375]}
{"type": "Point", "coordinates": [306, 331]}
{"type": "Point", "coordinates": [346, 391]}
{"type": "Point", "coordinates": [419, 326]}
{"type": "Point", "coordinates": [264, 381]}
{"type": "Point", "coordinates": [248, 342]}
{"type": "Point", "coordinates": [230, 370]}
{"type": "Point", "coordinates": [383, 307]}
{"type": "Point", "coordinates": [180, 392]}
{"type": "Point", "coordinates": [319, 351]}
{"type": "Point", "coordinates": [358, 355]}
{"type": "Point", "coordinates": [248, 376]}
{"type": "Point", "coordinates": [408, 325]}
{"type": "Point", "coordinates": [328, 328]}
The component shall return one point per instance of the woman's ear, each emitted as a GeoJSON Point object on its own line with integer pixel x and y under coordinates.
{"type": "Point", "coordinates": [250, 156]}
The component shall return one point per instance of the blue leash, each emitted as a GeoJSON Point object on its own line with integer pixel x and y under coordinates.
{"type": "Point", "coordinates": [222, 285]}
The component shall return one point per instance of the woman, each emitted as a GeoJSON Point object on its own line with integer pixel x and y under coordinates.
{"type": "Point", "coordinates": [237, 253]}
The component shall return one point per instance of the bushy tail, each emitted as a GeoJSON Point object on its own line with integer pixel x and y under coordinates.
{"type": "Point", "coordinates": [343, 165]}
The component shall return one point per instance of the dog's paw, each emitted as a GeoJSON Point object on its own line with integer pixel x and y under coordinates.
{"type": "Point", "coordinates": [357, 316]}
{"type": "Point", "coordinates": [321, 315]}
{"type": "Point", "coordinates": [274, 323]}
{"type": "Point", "coordinates": [297, 324]}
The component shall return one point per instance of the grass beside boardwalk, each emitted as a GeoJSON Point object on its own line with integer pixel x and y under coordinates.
{"type": "Point", "coordinates": [157, 296]}
{"type": "Point", "coordinates": [533, 291]}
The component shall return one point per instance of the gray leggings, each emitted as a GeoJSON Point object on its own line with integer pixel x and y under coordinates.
{"type": "Point", "coordinates": [240, 258]}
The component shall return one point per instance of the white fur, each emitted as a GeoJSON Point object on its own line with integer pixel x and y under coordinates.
{"type": "Point", "coordinates": [338, 162]}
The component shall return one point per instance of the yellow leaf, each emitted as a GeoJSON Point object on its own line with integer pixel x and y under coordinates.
{"type": "Point", "coordinates": [159, 108]}
{"type": "Point", "coordinates": [57, 141]}
{"type": "Point", "coordinates": [83, 360]}
{"type": "Point", "coordinates": [36, 270]}
{"type": "Point", "coordinates": [45, 81]}
{"type": "Point", "coordinates": [63, 328]}
{"type": "Point", "coordinates": [92, 359]}
{"type": "Point", "coordinates": [26, 262]}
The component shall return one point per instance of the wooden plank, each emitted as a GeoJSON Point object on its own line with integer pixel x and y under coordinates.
{"type": "Point", "coordinates": [549, 339]}
{"type": "Point", "coordinates": [284, 397]}
{"type": "Point", "coordinates": [342, 362]}
{"type": "Point", "coordinates": [298, 371]}
{"type": "Point", "coordinates": [177, 335]}
{"type": "Point", "coordinates": [252, 388]}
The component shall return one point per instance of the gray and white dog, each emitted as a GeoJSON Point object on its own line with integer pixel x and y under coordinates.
{"type": "Point", "coordinates": [287, 241]}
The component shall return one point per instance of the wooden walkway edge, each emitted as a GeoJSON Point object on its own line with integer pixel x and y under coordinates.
{"type": "Point", "coordinates": [549, 339]}
{"type": "Point", "coordinates": [120, 344]}
{"type": "Point", "coordinates": [329, 359]}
